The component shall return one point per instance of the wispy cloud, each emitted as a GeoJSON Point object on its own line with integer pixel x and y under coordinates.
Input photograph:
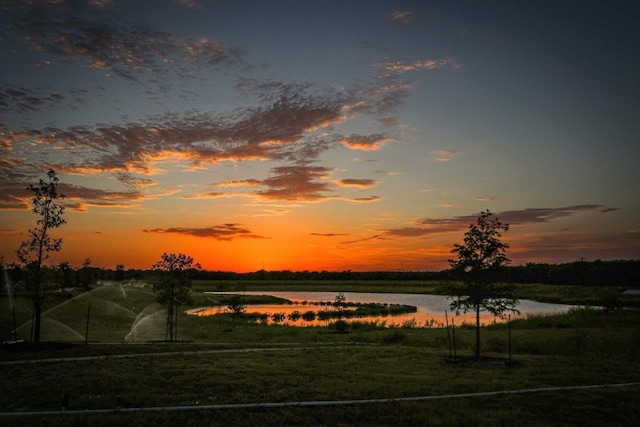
{"type": "Point", "coordinates": [24, 100]}
{"type": "Point", "coordinates": [73, 34]}
{"type": "Point", "coordinates": [298, 183]}
{"type": "Point", "coordinates": [404, 17]}
{"type": "Point", "coordinates": [239, 183]}
{"type": "Point", "coordinates": [360, 183]}
{"type": "Point", "coordinates": [428, 226]}
{"type": "Point", "coordinates": [444, 155]}
{"type": "Point", "coordinates": [133, 181]}
{"type": "Point", "coordinates": [229, 231]}
{"type": "Point", "coordinates": [205, 196]}
{"type": "Point", "coordinates": [190, 4]}
{"type": "Point", "coordinates": [538, 215]}
{"type": "Point", "coordinates": [366, 142]}
{"type": "Point", "coordinates": [16, 196]}
{"type": "Point", "coordinates": [486, 198]}
{"type": "Point", "coordinates": [401, 66]}
{"type": "Point", "coordinates": [364, 199]}
{"type": "Point", "coordinates": [79, 198]}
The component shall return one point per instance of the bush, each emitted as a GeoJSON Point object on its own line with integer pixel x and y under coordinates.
{"type": "Point", "coordinates": [341, 326]}
{"type": "Point", "coordinates": [309, 316]}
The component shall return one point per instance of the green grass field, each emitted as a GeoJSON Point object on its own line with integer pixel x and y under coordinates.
{"type": "Point", "coordinates": [223, 360]}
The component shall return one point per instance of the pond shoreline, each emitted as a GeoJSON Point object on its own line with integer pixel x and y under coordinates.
{"type": "Point", "coordinates": [431, 310]}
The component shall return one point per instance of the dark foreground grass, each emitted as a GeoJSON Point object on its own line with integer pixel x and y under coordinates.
{"type": "Point", "coordinates": [190, 375]}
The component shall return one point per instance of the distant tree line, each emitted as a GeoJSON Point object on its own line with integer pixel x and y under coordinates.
{"type": "Point", "coordinates": [595, 273]}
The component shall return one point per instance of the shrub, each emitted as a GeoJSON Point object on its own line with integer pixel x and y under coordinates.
{"type": "Point", "coordinates": [309, 316]}
{"type": "Point", "coordinates": [341, 326]}
{"type": "Point", "coordinates": [294, 315]}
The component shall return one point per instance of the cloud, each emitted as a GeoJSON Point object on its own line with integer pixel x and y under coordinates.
{"type": "Point", "coordinates": [486, 198]}
{"type": "Point", "coordinates": [86, 36]}
{"type": "Point", "coordinates": [367, 143]}
{"type": "Point", "coordinates": [23, 100]}
{"type": "Point", "coordinates": [292, 123]}
{"type": "Point", "coordinates": [361, 183]}
{"type": "Point", "coordinates": [516, 217]}
{"type": "Point", "coordinates": [428, 226]}
{"type": "Point", "coordinates": [133, 181]}
{"type": "Point", "coordinates": [132, 152]}
{"type": "Point", "coordinates": [365, 199]}
{"type": "Point", "coordinates": [540, 215]}
{"type": "Point", "coordinates": [100, 4]}
{"type": "Point", "coordinates": [297, 183]}
{"type": "Point", "coordinates": [404, 17]}
{"type": "Point", "coordinates": [444, 155]}
{"type": "Point", "coordinates": [271, 132]}
{"type": "Point", "coordinates": [16, 196]}
{"type": "Point", "coordinates": [407, 232]}
{"type": "Point", "coordinates": [400, 67]}
{"type": "Point", "coordinates": [79, 198]}
{"type": "Point", "coordinates": [239, 183]}
{"type": "Point", "coordinates": [205, 196]}
{"type": "Point", "coordinates": [190, 4]}
{"type": "Point", "coordinates": [570, 246]}
{"type": "Point", "coordinates": [219, 232]}
{"type": "Point", "coordinates": [302, 183]}
{"type": "Point", "coordinates": [329, 234]}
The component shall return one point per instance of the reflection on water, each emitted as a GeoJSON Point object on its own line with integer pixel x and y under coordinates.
{"type": "Point", "coordinates": [430, 309]}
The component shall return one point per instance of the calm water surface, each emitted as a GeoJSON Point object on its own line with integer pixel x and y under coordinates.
{"type": "Point", "coordinates": [431, 308]}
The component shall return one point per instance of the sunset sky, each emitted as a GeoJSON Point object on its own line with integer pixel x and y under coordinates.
{"type": "Point", "coordinates": [322, 135]}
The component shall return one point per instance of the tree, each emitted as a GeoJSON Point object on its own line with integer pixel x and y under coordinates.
{"type": "Point", "coordinates": [39, 244]}
{"type": "Point", "coordinates": [85, 275]}
{"type": "Point", "coordinates": [64, 272]}
{"type": "Point", "coordinates": [236, 305]}
{"type": "Point", "coordinates": [119, 274]}
{"type": "Point", "coordinates": [478, 259]}
{"type": "Point", "coordinates": [174, 286]}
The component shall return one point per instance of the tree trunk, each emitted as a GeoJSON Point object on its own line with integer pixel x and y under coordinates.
{"type": "Point", "coordinates": [37, 308]}
{"type": "Point", "coordinates": [478, 331]}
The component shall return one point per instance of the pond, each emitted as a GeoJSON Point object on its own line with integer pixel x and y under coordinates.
{"type": "Point", "coordinates": [430, 308]}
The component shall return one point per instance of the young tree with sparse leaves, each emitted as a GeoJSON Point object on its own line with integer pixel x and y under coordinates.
{"type": "Point", "coordinates": [174, 287]}
{"type": "Point", "coordinates": [478, 258]}
{"type": "Point", "coordinates": [39, 244]}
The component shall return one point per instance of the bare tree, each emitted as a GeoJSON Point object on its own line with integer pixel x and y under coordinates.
{"type": "Point", "coordinates": [174, 286]}
{"type": "Point", "coordinates": [481, 254]}
{"type": "Point", "coordinates": [38, 246]}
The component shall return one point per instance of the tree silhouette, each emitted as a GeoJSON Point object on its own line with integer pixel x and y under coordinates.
{"type": "Point", "coordinates": [174, 287]}
{"type": "Point", "coordinates": [478, 258]}
{"type": "Point", "coordinates": [38, 246]}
